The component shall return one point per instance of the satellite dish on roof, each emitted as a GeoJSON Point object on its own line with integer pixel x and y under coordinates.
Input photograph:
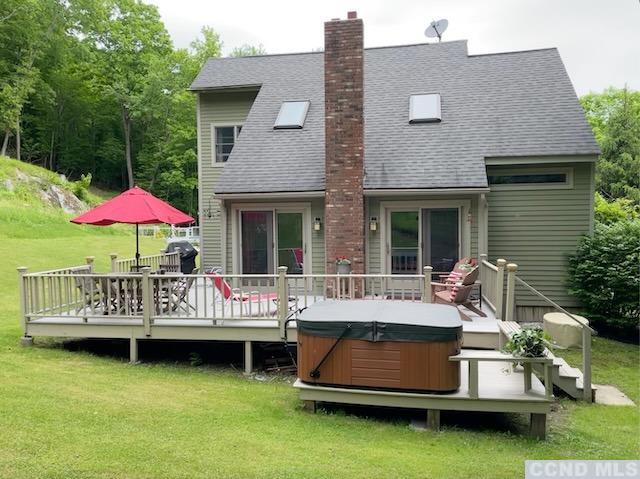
{"type": "Point", "coordinates": [436, 29]}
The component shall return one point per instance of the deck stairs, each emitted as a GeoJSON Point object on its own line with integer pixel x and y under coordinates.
{"type": "Point", "coordinates": [564, 376]}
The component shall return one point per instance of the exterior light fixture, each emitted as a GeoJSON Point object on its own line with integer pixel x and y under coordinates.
{"type": "Point", "coordinates": [373, 223]}
{"type": "Point", "coordinates": [317, 224]}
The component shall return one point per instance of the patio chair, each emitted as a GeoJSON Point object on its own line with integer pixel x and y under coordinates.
{"type": "Point", "coordinates": [245, 300]}
{"type": "Point", "coordinates": [299, 257]}
{"type": "Point", "coordinates": [458, 294]}
{"type": "Point", "coordinates": [460, 269]}
{"type": "Point", "coordinates": [178, 296]}
{"type": "Point", "coordinates": [171, 268]}
{"type": "Point", "coordinates": [90, 289]}
{"type": "Point", "coordinates": [463, 267]}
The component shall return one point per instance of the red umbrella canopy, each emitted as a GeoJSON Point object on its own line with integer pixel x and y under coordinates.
{"type": "Point", "coordinates": [134, 206]}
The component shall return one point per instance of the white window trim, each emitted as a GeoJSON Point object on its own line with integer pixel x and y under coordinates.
{"type": "Point", "coordinates": [212, 133]}
{"type": "Point", "coordinates": [464, 228]}
{"type": "Point", "coordinates": [307, 242]}
{"type": "Point", "coordinates": [567, 185]}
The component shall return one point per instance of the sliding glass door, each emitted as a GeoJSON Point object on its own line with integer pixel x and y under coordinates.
{"type": "Point", "coordinates": [441, 238]}
{"type": "Point", "coordinates": [405, 233]}
{"type": "Point", "coordinates": [257, 242]}
{"type": "Point", "coordinates": [421, 237]}
{"type": "Point", "coordinates": [290, 251]}
{"type": "Point", "coordinates": [270, 238]}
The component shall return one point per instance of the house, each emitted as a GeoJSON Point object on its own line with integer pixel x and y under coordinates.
{"type": "Point", "coordinates": [394, 157]}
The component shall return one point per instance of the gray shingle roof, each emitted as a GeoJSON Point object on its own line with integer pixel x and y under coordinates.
{"type": "Point", "coordinates": [510, 104]}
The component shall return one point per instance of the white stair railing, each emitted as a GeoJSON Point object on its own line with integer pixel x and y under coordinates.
{"type": "Point", "coordinates": [587, 332]}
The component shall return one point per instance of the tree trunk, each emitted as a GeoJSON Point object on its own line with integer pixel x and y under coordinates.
{"type": "Point", "coordinates": [18, 139]}
{"type": "Point", "coordinates": [126, 124]}
{"type": "Point", "coordinates": [53, 133]}
{"type": "Point", "coordinates": [5, 143]}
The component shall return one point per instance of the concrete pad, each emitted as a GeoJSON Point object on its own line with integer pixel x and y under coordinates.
{"type": "Point", "coordinates": [611, 396]}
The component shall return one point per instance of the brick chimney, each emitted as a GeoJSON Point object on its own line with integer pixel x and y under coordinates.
{"type": "Point", "coordinates": [344, 142]}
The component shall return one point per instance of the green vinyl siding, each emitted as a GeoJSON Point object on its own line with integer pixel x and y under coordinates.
{"type": "Point", "coordinates": [230, 108]}
{"type": "Point", "coordinates": [375, 260]}
{"type": "Point", "coordinates": [538, 227]}
{"type": "Point", "coordinates": [317, 237]}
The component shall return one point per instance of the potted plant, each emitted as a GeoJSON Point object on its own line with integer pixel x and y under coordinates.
{"type": "Point", "coordinates": [528, 343]}
{"type": "Point", "coordinates": [343, 265]}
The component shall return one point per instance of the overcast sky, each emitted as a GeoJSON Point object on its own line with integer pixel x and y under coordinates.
{"type": "Point", "coordinates": [599, 40]}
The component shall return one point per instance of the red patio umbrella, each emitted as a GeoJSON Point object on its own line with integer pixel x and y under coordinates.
{"type": "Point", "coordinates": [137, 207]}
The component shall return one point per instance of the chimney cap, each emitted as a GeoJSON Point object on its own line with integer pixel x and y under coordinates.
{"type": "Point", "coordinates": [352, 15]}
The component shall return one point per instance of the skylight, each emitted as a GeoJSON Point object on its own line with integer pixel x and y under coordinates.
{"type": "Point", "coordinates": [292, 114]}
{"type": "Point", "coordinates": [425, 108]}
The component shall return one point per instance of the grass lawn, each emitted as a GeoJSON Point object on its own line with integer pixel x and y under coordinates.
{"type": "Point", "coordinates": [73, 414]}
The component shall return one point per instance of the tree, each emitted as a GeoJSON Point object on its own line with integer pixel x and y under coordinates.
{"type": "Point", "coordinates": [614, 116]}
{"type": "Point", "coordinates": [26, 28]}
{"type": "Point", "coordinates": [169, 161]}
{"type": "Point", "coordinates": [247, 50]}
{"type": "Point", "coordinates": [127, 36]}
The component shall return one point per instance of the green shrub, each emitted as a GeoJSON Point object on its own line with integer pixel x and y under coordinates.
{"type": "Point", "coordinates": [80, 188]}
{"type": "Point", "coordinates": [604, 276]}
{"type": "Point", "coordinates": [619, 209]}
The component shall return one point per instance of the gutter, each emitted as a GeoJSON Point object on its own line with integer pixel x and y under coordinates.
{"type": "Point", "coordinates": [370, 192]}
{"type": "Point", "coordinates": [422, 191]}
{"type": "Point", "coordinates": [270, 195]}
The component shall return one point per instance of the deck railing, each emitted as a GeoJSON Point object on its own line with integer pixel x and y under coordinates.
{"type": "Point", "coordinates": [154, 261]}
{"type": "Point", "coordinates": [187, 233]}
{"type": "Point", "coordinates": [492, 280]}
{"type": "Point", "coordinates": [587, 332]}
{"type": "Point", "coordinates": [79, 293]}
{"type": "Point", "coordinates": [104, 298]}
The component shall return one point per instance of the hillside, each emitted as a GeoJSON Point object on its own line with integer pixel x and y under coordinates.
{"type": "Point", "coordinates": [38, 203]}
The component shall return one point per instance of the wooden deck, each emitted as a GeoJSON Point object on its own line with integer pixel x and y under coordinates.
{"type": "Point", "coordinates": [76, 302]}
{"type": "Point", "coordinates": [211, 320]}
{"type": "Point", "coordinates": [500, 389]}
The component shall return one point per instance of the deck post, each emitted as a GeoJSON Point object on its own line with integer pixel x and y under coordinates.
{"type": "Point", "coordinates": [26, 340]}
{"type": "Point", "coordinates": [426, 289]}
{"type": "Point", "coordinates": [147, 299]}
{"type": "Point", "coordinates": [248, 358]}
{"type": "Point", "coordinates": [587, 394]}
{"type": "Point", "coordinates": [473, 379]}
{"type": "Point", "coordinates": [538, 426]}
{"type": "Point", "coordinates": [511, 292]}
{"type": "Point", "coordinates": [433, 419]}
{"type": "Point", "coordinates": [283, 300]}
{"type": "Point", "coordinates": [500, 287]}
{"type": "Point", "coordinates": [309, 405]}
{"type": "Point", "coordinates": [527, 377]}
{"type": "Point", "coordinates": [114, 258]}
{"type": "Point", "coordinates": [548, 381]}
{"type": "Point", "coordinates": [133, 349]}
{"type": "Point", "coordinates": [90, 260]}
{"type": "Point", "coordinates": [483, 276]}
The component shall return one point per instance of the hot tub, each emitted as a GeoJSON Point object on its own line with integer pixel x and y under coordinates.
{"type": "Point", "coordinates": [380, 344]}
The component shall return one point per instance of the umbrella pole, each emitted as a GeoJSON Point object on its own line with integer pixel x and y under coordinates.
{"type": "Point", "coordinates": [137, 249]}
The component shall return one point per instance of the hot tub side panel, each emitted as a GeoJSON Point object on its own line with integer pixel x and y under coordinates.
{"type": "Point", "coordinates": [386, 364]}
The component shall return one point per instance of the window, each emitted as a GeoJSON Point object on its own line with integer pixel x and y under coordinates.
{"type": "Point", "coordinates": [224, 137]}
{"type": "Point", "coordinates": [531, 178]}
{"type": "Point", "coordinates": [424, 108]}
{"type": "Point", "coordinates": [292, 115]}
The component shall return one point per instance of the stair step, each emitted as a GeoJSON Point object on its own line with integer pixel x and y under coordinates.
{"type": "Point", "coordinates": [569, 372]}
{"type": "Point", "coordinates": [580, 385]}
